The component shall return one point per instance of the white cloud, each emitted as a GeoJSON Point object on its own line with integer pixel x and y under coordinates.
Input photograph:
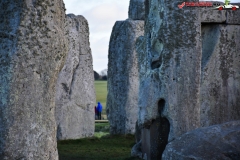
{"type": "Point", "coordinates": [100, 64]}
{"type": "Point", "coordinates": [101, 16]}
{"type": "Point", "coordinates": [101, 45]}
{"type": "Point", "coordinates": [100, 48]}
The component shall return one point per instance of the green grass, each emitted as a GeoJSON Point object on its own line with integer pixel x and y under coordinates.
{"type": "Point", "coordinates": [101, 147]}
{"type": "Point", "coordinates": [105, 148]}
{"type": "Point", "coordinates": [101, 129]}
{"type": "Point", "coordinates": [101, 94]}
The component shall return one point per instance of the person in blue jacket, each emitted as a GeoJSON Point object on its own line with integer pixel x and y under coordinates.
{"type": "Point", "coordinates": [99, 109]}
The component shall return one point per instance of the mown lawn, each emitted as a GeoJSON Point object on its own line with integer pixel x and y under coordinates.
{"type": "Point", "coordinates": [104, 148]}
{"type": "Point", "coordinates": [101, 94]}
{"type": "Point", "coordinates": [108, 147]}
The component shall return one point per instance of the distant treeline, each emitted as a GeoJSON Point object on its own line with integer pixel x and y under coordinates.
{"type": "Point", "coordinates": [102, 76]}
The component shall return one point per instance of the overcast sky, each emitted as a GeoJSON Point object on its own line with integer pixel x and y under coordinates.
{"type": "Point", "coordinates": [101, 16]}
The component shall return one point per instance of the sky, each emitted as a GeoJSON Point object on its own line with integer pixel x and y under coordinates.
{"type": "Point", "coordinates": [101, 16]}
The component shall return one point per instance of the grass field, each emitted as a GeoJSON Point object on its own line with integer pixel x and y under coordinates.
{"type": "Point", "coordinates": [101, 147]}
{"type": "Point", "coordinates": [101, 94]}
{"type": "Point", "coordinates": [105, 148]}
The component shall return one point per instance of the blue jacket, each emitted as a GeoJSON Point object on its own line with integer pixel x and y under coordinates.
{"type": "Point", "coordinates": [99, 107]}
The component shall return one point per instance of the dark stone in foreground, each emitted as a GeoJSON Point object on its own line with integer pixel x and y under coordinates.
{"type": "Point", "coordinates": [214, 142]}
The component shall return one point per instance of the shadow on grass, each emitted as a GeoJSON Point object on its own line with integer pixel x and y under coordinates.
{"type": "Point", "coordinates": [117, 147]}
{"type": "Point", "coordinates": [102, 127]}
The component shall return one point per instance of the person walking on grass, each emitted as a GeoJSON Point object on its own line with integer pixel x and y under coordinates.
{"type": "Point", "coordinates": [99, 109]}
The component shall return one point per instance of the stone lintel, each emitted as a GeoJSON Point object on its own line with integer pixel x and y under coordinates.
{"type": "Point", "coordinates": [224, 16]}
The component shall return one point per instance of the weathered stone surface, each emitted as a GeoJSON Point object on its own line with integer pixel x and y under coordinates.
{"type": "Point", "coordinates": [75, 93]}
{"type": "Point", "coordinates": [224, 16]}
{"type": "Point", "coordinates": [214, 142]}
{"type": "Point", "coordinates": [210, 16]}
{"type": "Point", "coordinates": [32, 51]}
{"type": "Point", "coordinates": [188, 72]}
{"type": "Point", "coordinates": [136, 10]}
{"type": "Point", "coordinates": [169, 72]}
{"type": "Point", "coordinates": [136, 150]}
{"type": "Point", "coordinates": [233, 17]}
{"type": "Point", "coordinates": [123, 81]}
{"type": "Point", "coordinates": [220, 77]}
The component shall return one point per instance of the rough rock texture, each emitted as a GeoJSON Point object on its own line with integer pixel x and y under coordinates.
{"type": "Point", "coordinates": [214, 142]}
{"type": "Point", "coordinates": [220, 76]}
{"type": "Point", "coordinates": [75, 93]}
{"type": "Point", "coordinates": [188, 71]}
{"type": "Point", "coordinates": [169, 75]}
{"type": "Point", "coordinates": [136, 10]}
{"type": "Point", "coordinates": [32, 51]}
{"type": "Point", "coordinates": [136, 150]}
{"type": "Point", "coordinates": [123, 81]}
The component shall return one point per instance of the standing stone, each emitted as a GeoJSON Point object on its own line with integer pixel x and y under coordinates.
{"type": "Point", "coordinates": [123, 71]}
{"type": "Point", "coordinates": [190, 63]}
{"type": "Point", "coordinates": [220, 77]}
{"type": "Point", "coordinates": [136, 10]}
{"type": "Point", "coordinates": [123, 81]}
{"type": "Point", "coordinates": [75, 97]}
{"type": "Point", "coordinates": [169, 75]}
{"type": "Point", "coordinates": [32, 51]}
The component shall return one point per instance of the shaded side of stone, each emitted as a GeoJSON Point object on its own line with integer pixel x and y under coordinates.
{"type": "Point", "coordinates": [33, 48]}
{"type": "Point", "coordinates": [214, 142]}
{"type": "Point", "coordinates": [220, 77]}
{"type": "Point", "coordinates": [123, 81]}
{"type": "Point", "coordinates": [157, 133]}
{"type": "Point", "coordinates": [136, 10]}
{"type": "Point", "coordinates": [75, 93]}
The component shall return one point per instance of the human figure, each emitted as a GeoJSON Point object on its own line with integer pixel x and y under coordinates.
{"type": "Point", "coordinates": [99, 109]}
{"type": "Point", "coordinates": [96, 112]}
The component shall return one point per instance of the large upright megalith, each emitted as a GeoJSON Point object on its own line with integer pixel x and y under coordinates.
{"type": "Point", "coordinates": [75, 94]}
{"type": "Point", "coordinates": [123, 75]}
{"type": "Point", "coordinates": [169, 75]}
{"type": "Point", "coordinates": [220, 77]}
{"type": "Point", "coordinates": [189, 77]}
{"type": "Point", "coordinates": [32, 51]}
